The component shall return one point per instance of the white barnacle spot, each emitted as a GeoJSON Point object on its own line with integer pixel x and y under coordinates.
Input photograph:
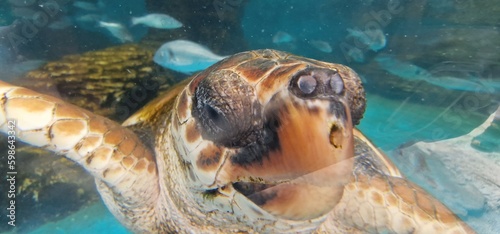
{"type": "Point", "coordinates": [23, 110]}
{"type": "Point", "coordinates": [65, 134]}
{"type": "Point", "coordinates": [140, 166]}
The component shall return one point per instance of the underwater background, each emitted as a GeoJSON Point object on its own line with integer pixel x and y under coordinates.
{"type": "Point", "coordinates": [431, 70]}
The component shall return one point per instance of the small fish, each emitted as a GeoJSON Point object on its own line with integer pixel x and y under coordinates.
{"type": "Point", "coordinates": [90, 18]}
{"type": "Point", "coordinates": [86, 6]}
{"type": "Point", "coordinates": [282, 37]}
{"type": "Point", "coordinates": [322, 46]}
{"type": "Point", "coordinates": [413, 72]}
{"type": "Point", "coordinates": [118, 31]}
{"type": "Point", "coordinates": [356, 54]}
{"type": "Point", "coordinates": [185, 56]}
{"type": "Point", "coordinates": [160, 21]}
{"type": "Point", "coordinates": [374, 39]}
{"type": "Point", "coordinates": [402, 69]}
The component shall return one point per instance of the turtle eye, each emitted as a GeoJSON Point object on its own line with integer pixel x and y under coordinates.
{"type": "Point", "coordinates": [307, 84]}
{"type": "Point", "coordinates": [336, 83]}
{"type": "Point", "coordinates": [226, 109]}
{"type": "Point", "coordinates": [213, 120]}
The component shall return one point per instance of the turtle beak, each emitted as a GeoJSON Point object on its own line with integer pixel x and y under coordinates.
{"type": "Point", "coordinates": [299, 170]}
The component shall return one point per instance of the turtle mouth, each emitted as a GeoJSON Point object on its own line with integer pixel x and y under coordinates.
{"type": "Point", "coordinates": [302, 183]}
{"type": "Point", "coordinates": [255, 192]}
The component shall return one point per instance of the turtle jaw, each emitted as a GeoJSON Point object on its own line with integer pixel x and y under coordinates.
{"type": "Point", "coordinates": [301, 178]}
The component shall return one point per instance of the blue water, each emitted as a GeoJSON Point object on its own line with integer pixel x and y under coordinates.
{"type": "Point", "coordinates": [428, 48]}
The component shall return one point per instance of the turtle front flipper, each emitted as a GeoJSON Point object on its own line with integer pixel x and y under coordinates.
{"type": "Point", "coordinates": [385, 204]}
{"type": "Point", "coordinates": [380, 200]}
{"type": "Point", "coordinates": [124, 169]}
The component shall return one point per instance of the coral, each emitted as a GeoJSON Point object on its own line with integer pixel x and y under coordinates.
{"type": "Point", "coordinates": [100, 81]}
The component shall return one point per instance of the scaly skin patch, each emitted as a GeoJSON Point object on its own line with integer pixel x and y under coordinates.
{"type": "Point", "coordinates": [92, 141]}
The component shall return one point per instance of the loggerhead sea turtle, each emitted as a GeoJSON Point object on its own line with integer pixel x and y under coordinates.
{"type": "Point", "coordinates": [261, 142]}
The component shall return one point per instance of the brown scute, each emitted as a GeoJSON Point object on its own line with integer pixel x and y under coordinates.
{"type": "Point", "coordinates": [312, 61]}
{"type": "Point", "coordinates": [141, 165]}
{"type": "Point", "coordinates": [128, 161]}
{"type": "Point", "coordinates": [89, 141]}
{"type": "Point", "coordinates": [209, 158]}
{"type": "Point", "coordinates": [425, 203]}
{"type": "Point", "coordinates": [444, 214]}
{"type": "Point", "coordinates": [391, 199]}
{"type": "Point", "coordinates": [151, 168]}
{"type": "Point", "coordinates": [67, 127]}
{"type": "Point", "coordinates": [97, 126]}
{"type": "Point", "coordinates": [66, 111]}
{"type": "Point", "coordinates": [192, 133]}
{"type": "Point", "coordinates": [379, 183]}
{"type": "Point", "coordinates": [182, 106]}
{"type": "Point", "coordinates": [236, 60]}
{"type": "Point", "coordinates": [114, 136]}
{"type": "Point", "coordinates": [284, 70]}
{"type": "Point", "coordinates": [31, 105]}
{"type": "Point", "coordinates": [127, 146]}
{"type": "Point", "coordinates": [271, 54]}
{"type": "Point", "coordinates": [405, 193]}
{"type": "Point", "coordinates": [287, 61]}
{"type": "Point", "coordinates": [117, 156]}
{"type": "Point", "coordinates": [102, 153]}
{"type": "Point", "coordinates": [279, 77]}
{"type": "Point", "coordinates": [254, 70]}
{"type": "Point", "coordinates": [377, 198]}
{"type": "Point", "coordinates": [140, 152]}
{"type": "Point", "coordinates": [23, 93]}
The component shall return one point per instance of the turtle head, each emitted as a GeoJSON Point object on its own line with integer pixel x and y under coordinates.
{"type": "Point", "coordinates": [268, 134]}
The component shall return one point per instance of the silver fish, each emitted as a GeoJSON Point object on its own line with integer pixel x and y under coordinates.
{"type": "Point", "coordinates": [282, 37]}
{"type": "Point", "coordinates": [185, 56]}
{"type": "Point", "coordinates": [413, 72]}
{"type": "Point", "coordinates": [86, 6]}
{"type": "Point", "coordinates": [90, 18]}
{"type": "Point", "coordinates": [374, 39]}
{"type": "Point", "coordinates": [118, 31]}
{"type": "Point", "coordinates": [322, 46]}
{"type": "Point", "coordinates": [160, 21]}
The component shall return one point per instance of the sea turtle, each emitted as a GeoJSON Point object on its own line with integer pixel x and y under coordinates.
{"type": "Point", "coordinates": [261, 142]}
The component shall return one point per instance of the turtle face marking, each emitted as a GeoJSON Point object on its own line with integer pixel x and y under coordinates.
{"type": "Point", "coordinates": [278, 142]}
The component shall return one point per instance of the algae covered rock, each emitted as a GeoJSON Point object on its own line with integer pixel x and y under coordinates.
{"type": "Point", "coordinates": [47, 187]}
{"type": "Point", "coordinates": [113, 82]}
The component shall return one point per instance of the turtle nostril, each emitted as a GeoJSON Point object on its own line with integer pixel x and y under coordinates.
{"type": "Point", "coordinates": [317, 83]}
{"type": "Point", "coordinates": [336, 83]}
{"type": "Point", "coordinates": [307, 84]}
